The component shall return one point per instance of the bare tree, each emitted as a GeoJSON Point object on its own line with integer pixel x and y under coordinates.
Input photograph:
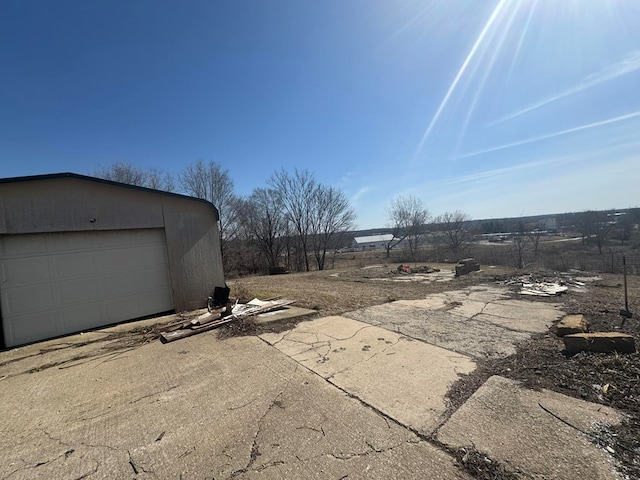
{"type": "Point", "coordinates": [124, 172]}
{"type": "Point", "coordinates": [520, 244]}
{"type": "Point", "coordinates": [594, 225]}
{"type": "Point", "coordinates": [160, 180]}
{"type": "Point", "coordinates": [534, 238]}
{"type": "Point", "coordinates": [585, 224]}
{"type": "Point", "coordinates": [623, 226]}
{"type": "Point", "coordinates": [410, 219]}
{"type": "Point", "coordinates": [454, 229]}
{"type": "Point", "coordinates": [331, 215]}
{"type": "Point", "coordinates": [397, 232]}
{"type": "Point", "coordinates": [297, 193]}
{"type": "Point", "coordinates": [210, 182]}
{"type": "Point", "coordinates": [263, 219]}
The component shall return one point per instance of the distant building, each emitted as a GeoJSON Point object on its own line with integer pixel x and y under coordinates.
{"type": "Point", "coordinates": [372, 242]}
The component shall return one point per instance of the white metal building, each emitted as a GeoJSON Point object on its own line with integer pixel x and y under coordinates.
{"type": "Point", "coordinates": [372, 242]}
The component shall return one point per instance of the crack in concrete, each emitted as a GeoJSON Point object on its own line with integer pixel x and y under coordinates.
{"type": "Point", "coordinates": [372, 450]}
{"type": "Point", "coordinates": [320, 430]}
{"type": "Point", "coordinates": [255, 449]}
{"type": "Point", "coordinates": [153, 394]}
{"type": "Point", "coordinates": [85, 444]}
{"type": "Point", "coordinates": [268, 465]}
{"type": "Point", "coordinates": [137, 467]}
{"type": "Point", "coordinates": [26, 466]}
{"type": "Point", "coordinates": [243, 405]}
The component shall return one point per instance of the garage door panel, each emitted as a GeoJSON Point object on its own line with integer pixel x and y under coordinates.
{"type": "Point", "coordinates": [130, 258]}
{"type": "Point", "coordinates": [81, 317]}
{"type": "Point", "coordinates": [81, 280]}
{"type": "Point", "coordinates": [26, 299]}
{"type": "Point", "coordinates": [119, 284]}
{"type": "Point", "coordinates": [76, 291]}
{"type": "Point", "coordinates": [23, 327]}
{"type": "Point", "coordinates": [137, 303]}
{"type": "Point", "coordinates": [75, 265]}
{"type": "Point", "coordinates": [17, 272]}
{"type": "Point", "coordinates": [65, 242]}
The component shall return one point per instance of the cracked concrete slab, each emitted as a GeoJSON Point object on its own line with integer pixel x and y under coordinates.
{"type": "Point", "coordinates": [454, 332]}
{"type": "Point", "coordinates": [197, 408]}
{"type": "Point", "coordinates": [522, 315]}
{"type": "Point", "coordinates": [478, 321]}
{"type": "Point", "coordinates": [530, 431]}
{"type": "Point", "coordinates": [404, 379]}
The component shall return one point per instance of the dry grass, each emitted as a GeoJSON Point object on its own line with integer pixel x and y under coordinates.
{"type": "Point", "coordinates": [333, 292]}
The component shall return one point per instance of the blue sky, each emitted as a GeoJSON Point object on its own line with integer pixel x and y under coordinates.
{"type": "Point", "coordinates": [497, 108]}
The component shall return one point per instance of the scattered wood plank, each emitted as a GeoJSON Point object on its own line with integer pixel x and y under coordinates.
{"type": "Point", "coordinates": [204, 319]}
{"type": "Point", "coordinates": [209, 321]}
{"type": "Point", "coordinates": [167, 337]}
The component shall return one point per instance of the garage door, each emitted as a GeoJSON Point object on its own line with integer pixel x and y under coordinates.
{"type": "Point", "coordinates": [58, 283]}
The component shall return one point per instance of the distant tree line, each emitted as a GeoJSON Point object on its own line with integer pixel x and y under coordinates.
{"type": "Point", "coordinates": [296, 223]}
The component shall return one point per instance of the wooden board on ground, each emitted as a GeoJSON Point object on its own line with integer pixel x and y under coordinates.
{"type": "Point", "coordinates": [167, 337]}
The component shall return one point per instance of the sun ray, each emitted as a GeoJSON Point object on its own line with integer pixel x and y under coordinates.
{"type": "Point", "coordinates": [494, 15]}
{"type": "Point", "coordinates": [494, 53]}
{"type": "Point", "coordinates": [601, 123]}
{"type": "Point", "coordinates": [525, 30]}
{"type": "Point", "coordinates": [629, 64]}
{"type": "Point", "coordinates": [411, 22]}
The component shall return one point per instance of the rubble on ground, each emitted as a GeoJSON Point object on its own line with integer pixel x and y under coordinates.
{"type": "Point", "coordinates": [550, 285]}
{"type": "Point", "coordinates": [217, 317]}
{"type": "Point", "coordinates": [408, 270]}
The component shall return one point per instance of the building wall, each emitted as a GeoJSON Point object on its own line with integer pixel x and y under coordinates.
{"type": "Point", "coordinates": [75, 204]}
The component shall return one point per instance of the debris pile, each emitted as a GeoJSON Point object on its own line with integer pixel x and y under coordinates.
{"type": "Point", "coordinates": [548, 285]}
{"type": "Point", "coordinates": [407, 270]}
{"type": "Point", "coordinates": [216, 317]}
{"type": "Point", "coordinates": [467, 265]}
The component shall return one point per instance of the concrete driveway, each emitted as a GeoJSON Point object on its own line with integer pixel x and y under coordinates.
{"type": "Point", "coordinates": [196, 408]}
{"type": "Point", "coordinates": [331, 398]}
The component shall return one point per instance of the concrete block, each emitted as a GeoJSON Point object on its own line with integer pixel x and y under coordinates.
{"type": "Point", "coordinates": [603, 342]}
{"type": "Point", "coordinates": [572, 324]}
{"type": "Point", "coordinates": [466, 261]}
{"type": "Point", "coordinates": [466, 266]}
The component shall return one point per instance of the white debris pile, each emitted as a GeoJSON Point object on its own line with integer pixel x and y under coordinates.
{"type": "Point", "coordinates": [257, 306]}
{"type": "Point", "coordinates": [549, 285]}
{"type": "Point", "coordinates": [543, 289]}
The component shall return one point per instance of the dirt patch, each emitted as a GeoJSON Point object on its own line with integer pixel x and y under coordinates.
{"type": "Point", "coordinates": [333, 292]}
